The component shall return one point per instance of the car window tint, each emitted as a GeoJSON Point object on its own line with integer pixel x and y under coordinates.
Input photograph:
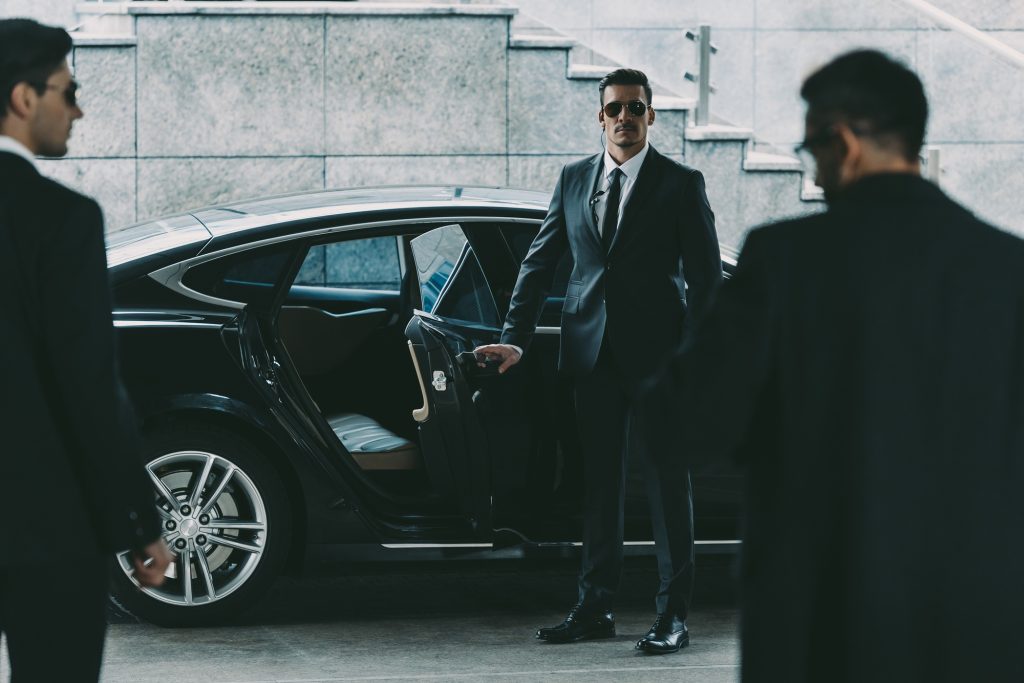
{"type": "Point", "coordinates": [519, 238]}
{"type": "Point", "coordinates": [370, 264]}
{"type": "Point", "coordinates": [452, 283]}
{"type": "Point", "coordinates": [248, 277]}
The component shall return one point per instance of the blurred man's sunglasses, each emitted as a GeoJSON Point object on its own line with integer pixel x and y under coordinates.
{"type": "Point", "coordinates": [70, 93]}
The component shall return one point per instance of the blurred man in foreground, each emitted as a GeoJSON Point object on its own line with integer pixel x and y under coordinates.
{"type": "Point", "coordinates": [74, 490]}
{"type": "Point", "coordinates": [866, 366]}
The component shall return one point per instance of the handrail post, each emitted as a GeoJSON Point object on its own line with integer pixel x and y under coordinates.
{"type": "Point", "coordinates": [933, 167]}
{"type": "Point", "coordinates": [703, 78]}
{"type": "Point", "coordinates": [704, 84]}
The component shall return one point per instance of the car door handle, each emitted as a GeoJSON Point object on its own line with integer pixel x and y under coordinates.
{"type": "Point", "coordinates": [440, 381]}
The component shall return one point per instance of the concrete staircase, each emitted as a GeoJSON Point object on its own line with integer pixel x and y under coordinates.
{"type": "Point", "coordinates": [746, 187]}
{"type": "Point", "coordinates": [203, 102]}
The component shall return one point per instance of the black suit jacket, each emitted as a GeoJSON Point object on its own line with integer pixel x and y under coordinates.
{"type": "Point", "coordinates": [867, 367]}
{"type": "Point", "coordinates": [70, 467]}
{"type": "Point", "coordinates": [664, 259]}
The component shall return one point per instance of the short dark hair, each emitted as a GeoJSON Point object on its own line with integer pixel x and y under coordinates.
{"type": "Point", "coordinates": [869, 89]}
{"type": "Point", "coordinates": [29, 52]}
{"type": "Point", "coordinates": [625, 77]}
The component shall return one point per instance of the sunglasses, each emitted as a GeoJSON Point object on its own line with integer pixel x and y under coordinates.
{"type": "Point", "coordinates": [805, 150]}
{"type": "Point", "coordinates": [70, 93]}
{"type": "Point", "coordinates": [635, 108]}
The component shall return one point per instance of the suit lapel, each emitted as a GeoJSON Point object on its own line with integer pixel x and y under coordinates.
{"type": "Point", "coordinates": [589, 187]}
{"type": "Point", "coordinates": [646, 180]}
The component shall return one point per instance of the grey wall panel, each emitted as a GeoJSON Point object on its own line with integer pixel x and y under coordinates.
{"type": "Point", "coordinates": [173, 185]}
{"type": "Point", "coordinates": [107, 77]}
{"type": "Point", "coordinates": [416, 85]}
{"type": "Point", "coordinates": [537, 172]}
{"type": "Point", "coordinates": [418, 170]}
{"type": "Point", "coordinates": [111, 182]}
{"type": "Point", "coordinates": [53, 12]}
{"type": "Point", "coordinates": [662, 13]}
{"type": "Point", "coordinates": [986, 179]}
{"type": "Point", "coordinates": [720, 162]}
{"type": "Point", "coordinates": [974, 96]}
{"type": "Point", "coordinates": [550, 114]}
{"type": "Point", "coordinates": [785, 58]}
{"type": "Point", "coordinates": [220, 85]}
{"type": "Point", "coordinates": [816, 15]}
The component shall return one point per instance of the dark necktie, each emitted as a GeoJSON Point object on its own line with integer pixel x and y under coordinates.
{"type": "Point", "coordinates": [611, 210]}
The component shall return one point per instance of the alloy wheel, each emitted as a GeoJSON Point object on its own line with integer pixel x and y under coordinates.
{"type": "Point", "coordinates": [213, 519]}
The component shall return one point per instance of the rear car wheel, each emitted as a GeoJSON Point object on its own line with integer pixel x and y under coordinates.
{"type": "Point", "coordinates": [225, 515]}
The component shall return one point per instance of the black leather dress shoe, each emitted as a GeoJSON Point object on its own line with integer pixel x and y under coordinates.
{"type": "Point", "coordinates": [668, 634]}
{"type": "Point", "coordinates": [580, 625]}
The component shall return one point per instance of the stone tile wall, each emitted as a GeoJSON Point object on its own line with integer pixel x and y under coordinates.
{"type": "Point", "coordinates": [201, 109]}
{"type": "Point", "coordinates": [208, 109]}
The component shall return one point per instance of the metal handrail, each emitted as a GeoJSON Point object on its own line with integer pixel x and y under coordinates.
{"type": "Point", "coordinates": [960, 26]}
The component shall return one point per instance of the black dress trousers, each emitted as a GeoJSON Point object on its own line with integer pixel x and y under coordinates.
{"type": "Point", "coordinates": [617, 422]}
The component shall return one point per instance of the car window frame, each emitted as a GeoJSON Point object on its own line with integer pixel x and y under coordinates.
{"type": "Point", "coordinates": [459, 270]}
{"type": "Point", "coordinates": [171, 276]}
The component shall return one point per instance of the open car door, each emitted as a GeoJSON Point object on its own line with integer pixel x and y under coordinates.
{"type": "Point", "coordinates": [462, 423]}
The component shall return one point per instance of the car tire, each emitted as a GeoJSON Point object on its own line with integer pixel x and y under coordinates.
{"type": "Point", "coordinates": [230, 539]}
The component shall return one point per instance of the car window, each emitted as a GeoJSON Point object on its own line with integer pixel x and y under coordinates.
{"type": "Point", "coordinates": [452, 283]}
{"type": "Point", "coordinates": [519, 238]}
{"type": "Point", "coordinates": [371, 264]}
{"type": "Point", "coordinates": [247, 277]}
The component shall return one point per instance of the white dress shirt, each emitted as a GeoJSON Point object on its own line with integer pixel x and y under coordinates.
{"type": "Point", "coordinates": [630, 170]}
{"type": "Point", "coordinates": [9, 144]}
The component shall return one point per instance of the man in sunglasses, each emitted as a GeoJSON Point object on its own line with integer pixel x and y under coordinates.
{"type": "Point", "coordinates": [646, 260]}
{"type": "Point", "coordinates": [74, 490]}
{"type": "Point", "coordinates": [866, 366]}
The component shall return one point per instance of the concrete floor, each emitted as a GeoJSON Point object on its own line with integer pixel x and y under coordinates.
{"type": "Point", "coordinates": [453, 622]}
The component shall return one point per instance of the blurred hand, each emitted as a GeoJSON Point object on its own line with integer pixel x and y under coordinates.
{"type": "Point", "coordinates": [151, 563]}
{"type": "Point", "coordinates": [507, 354]}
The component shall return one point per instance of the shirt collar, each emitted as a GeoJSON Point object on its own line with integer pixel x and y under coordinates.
{"type": "Point", "coordinates": [631, 168]}
{"type": "Point", "coordinates": [9, 144]}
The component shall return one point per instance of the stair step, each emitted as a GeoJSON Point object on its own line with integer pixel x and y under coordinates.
{"type": "Point", "coordinates": [671, 103]}
{"type": "Point", "coordinates": [541, 41]}
{"type": "Point", "coordinates": [84, 39]}
{"type": "Point", "coordinates": [718, 132]}
{"type": "Point", "coordinates": [810, 192]}
{"type": "Point", "coordinates": [763, 161]}
{"type": "Point", "coordinates": [593, 72]}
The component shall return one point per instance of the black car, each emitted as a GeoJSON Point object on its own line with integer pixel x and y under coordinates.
{"type": "Point", "coordinates": [302, 369]}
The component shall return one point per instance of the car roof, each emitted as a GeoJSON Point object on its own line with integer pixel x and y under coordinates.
{"type": "Point", "coordinates": [289, 208]}
{"type": "Point", "coordinates": [199, 227]}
